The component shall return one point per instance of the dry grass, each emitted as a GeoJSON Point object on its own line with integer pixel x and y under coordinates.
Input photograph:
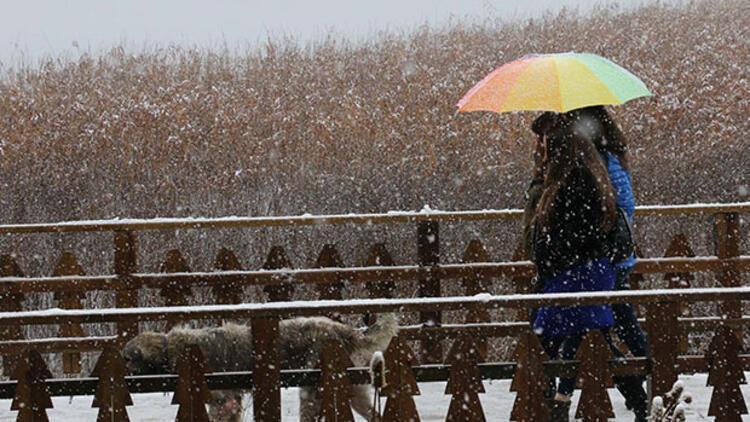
{"type": "Point", "coordinates": [340, 127]}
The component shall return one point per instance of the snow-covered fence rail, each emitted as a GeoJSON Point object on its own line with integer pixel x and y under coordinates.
{"type": "Point", "coordinates": [278, 278]}
{"type": "Point", "coordinates": [594, 365]}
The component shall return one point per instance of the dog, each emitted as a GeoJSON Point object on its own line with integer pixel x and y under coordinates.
{"type": "Point", "coordinates": [228, 348]}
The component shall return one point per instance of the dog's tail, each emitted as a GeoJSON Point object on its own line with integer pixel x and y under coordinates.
{"type": "Point", "coordinates": [377, 336]}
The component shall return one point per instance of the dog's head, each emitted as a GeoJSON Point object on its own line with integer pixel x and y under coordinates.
{"type": "Point", "coordinates": [225, 406]}
{"type": "Point", "coordinates": [147, 354]}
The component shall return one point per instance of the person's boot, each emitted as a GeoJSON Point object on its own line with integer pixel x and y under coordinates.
{"type": "Point", "coordinates": [641, 414]}
{"type": "Point", "coordinates": [559, 410]}
{"type": "Point", "coordinates": [631, 387]}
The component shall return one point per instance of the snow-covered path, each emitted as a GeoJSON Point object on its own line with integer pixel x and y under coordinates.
{"type": "Point", "coordinates": [432, 404]}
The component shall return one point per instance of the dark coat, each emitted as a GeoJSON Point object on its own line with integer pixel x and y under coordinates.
{"type": "Point", "coordinates": [570, 257]}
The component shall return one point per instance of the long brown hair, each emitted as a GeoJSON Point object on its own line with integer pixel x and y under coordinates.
{"type": "Point", "coordinates": [608, 137]}
{"type": "Point", "coordinates": [568, 155]}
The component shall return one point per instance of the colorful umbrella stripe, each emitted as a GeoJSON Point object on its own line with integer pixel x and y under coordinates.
{"type": "Point", "coordinates": [554, 82]}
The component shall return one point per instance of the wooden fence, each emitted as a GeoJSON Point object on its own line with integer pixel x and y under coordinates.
{"type": "Point", "coordinates": [380, 276]}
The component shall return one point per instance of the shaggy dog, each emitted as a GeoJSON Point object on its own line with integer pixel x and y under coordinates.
{"type": "Point", "coordinates": [229, 348]}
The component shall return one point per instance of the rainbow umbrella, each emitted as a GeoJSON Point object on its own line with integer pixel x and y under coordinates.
{"type": "Point", "coordinates": [553, 82]}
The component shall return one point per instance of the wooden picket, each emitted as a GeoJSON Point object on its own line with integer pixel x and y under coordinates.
{"type": "Point", "coordinates": [112, 395]}
{"type": "Point", "coordinates": [475, 252]}
{"type": "Point", "coordinates": [176, 293]}
{"type": "Point", "coordinates": [32, 397]}
{"type": "Point", "coordinates": [10, 302]}
{"type": "Point", "coordinates": [68, 265]}
{"type": "Point", "coordinates": [230, 293]}
{"type": "Point", "coordinates": [191, 393]}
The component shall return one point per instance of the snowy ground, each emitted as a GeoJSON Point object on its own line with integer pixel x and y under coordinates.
{"type": "Point", "coordinates": [432, 404]}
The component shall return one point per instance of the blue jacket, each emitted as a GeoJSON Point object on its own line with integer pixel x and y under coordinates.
{"type": "Point", "coordinates": [556, 321]}
{"type": "Point", "coordinates": [623, 186]}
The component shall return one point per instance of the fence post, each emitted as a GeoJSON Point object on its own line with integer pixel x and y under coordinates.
{"type": "Point", "coordinates": [594, 377]}
{"type": "Point", "coordinates": [530, 382]}
{"type": "Point", "coordinates": [680, 246]}
{"type": "Point", "coordinates": [727, 245]}
{"type": "Point", "coordinates": [227, 294]}
{"type": "Point", "coordinates": [464, 382]}
{"type": "Point", "coordinates": [379, 256]}
{"type": "Point", "coordinates": [175, 293]}
{"type": "Point", "coordinates": [112, 394]}
{"type": "Point", "coordinates": [335, 387]}
{"type": "Point", "coordinates": [475, 285]}
{"type": "Point", "coordinates": [428, 251]}
{"type": "Point", "coordinates": [125, 262]}
{"type": "Point", "coordinates": [329, 258]}
{"type": "Point", "coordinates": [32, 398]}
{"type": "Point", "coordinates": [68, 266]}
{"type": "Point", "coordinates": [663, 335]}
{"type": "Point", "coordinates": [725, 375]}
{"type": "Point", "coordinates": [10, 302]}
{"type": "Point", "coordinates": [266, 370]}
{"type": "Point", "coordinates": [276, 260]}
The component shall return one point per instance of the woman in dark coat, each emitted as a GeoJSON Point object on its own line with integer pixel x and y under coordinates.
{"type": "Point", "coordinates": [574, 212]}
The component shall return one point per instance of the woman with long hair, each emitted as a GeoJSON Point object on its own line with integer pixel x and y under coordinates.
{"type": "Point", "coordinates": [596, 124]}
{"type": "Point", "coordinates": [575, 213]}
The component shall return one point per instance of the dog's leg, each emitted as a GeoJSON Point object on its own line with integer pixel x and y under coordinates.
{"type": "Point", "coordinates": [362, 401]}
{"type": "Point", "coordinates": [309, 404]}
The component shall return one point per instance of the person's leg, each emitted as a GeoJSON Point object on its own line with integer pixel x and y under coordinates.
{"type": "Point", "coordinates": [627, 327]}
{"type": "Point", "coordinates": [568, 352]}
{"type": "Point", "coordinates": [551, 346]}
{"type": "Point", "coordinates": [630, 386]}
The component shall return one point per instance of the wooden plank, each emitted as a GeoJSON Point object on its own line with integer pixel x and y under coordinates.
{"type": "Point", "coordinates": [227, 293]}
{"type": "Point", "coordinates": [31, 398]}
{"type": "Point", "coordinates": [361, 306]}
{"type": "Point", "coordinates": [112, 395]}
{"type": "Point", "coordinates": [679, 246]}
{"type": "Point", "coordinates": [728, 237]}
{"type": "Point", "coordinates": [175, 292]}
{"type": "Point", "coordinates": [338, 219]}
{"type": "Point", "coordinates": [10, 302]}
{"type": "Point", "coordinates": [335, 387]}
{"type": "Point", "coordinates": [428, 255]}
{"type": "Point", "coordinates": [330, 258]}
{"type": "Point", "coordinates": [266, 370]}
{"type": "Point", "coordinates": [283, 290]}
{"type": "Point", "coordinates": [374, 275]}
{"type": "Point", "coordinates": [68, 265]}
{"type": "Point", "coordinates": [126, 292]}
{"type": "Point", "coordinates": [663, 336]}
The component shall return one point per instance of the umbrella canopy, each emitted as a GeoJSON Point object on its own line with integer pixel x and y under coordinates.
{"type": "Point", "coordinates": [553, 82]}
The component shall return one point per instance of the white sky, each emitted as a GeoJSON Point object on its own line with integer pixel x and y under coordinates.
{"type": "Point", "coordinates": [30, 29]}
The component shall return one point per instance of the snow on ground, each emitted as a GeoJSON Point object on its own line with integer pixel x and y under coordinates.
{"type": "Point", "coordinates": [432, 404]}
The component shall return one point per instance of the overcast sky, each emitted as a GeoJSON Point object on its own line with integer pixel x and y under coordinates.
{"type": "Point", "coordinates": [30, 29]}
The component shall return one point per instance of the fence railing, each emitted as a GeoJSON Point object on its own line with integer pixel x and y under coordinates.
{"type": "Point", "coordinates": [594, 364]}
{"type": "Point", "coordinates": [279, 280]}
{"type": "Point", "coordinates": [379, 275]}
